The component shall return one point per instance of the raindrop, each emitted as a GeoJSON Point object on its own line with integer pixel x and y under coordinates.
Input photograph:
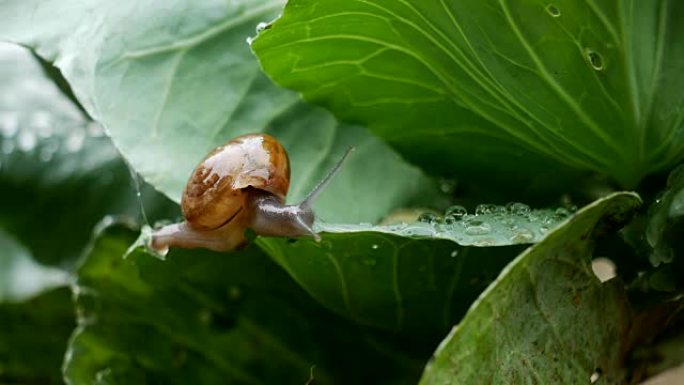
{"type": "Point", "coordinates": [553, 10]}
{"type": "Point", "coordinates": [9, 124]}
{"type": "Point", "coordinates": [41, 120]}
{"type": "Point", "coordinates": [428, 218]}
{"type": "Point", "coordinates": [549, 220]}
{"type": "Point", "coordinates": [74, 143]}
{"type": "Point", "coordinates": [522, 235]}
{"type": "Point", "coordinates": [249, 40]}
{"type": "Point", "coordinates": [517, 208]}
{"type": "Point", "coordinates": [454, 254]}
{"type": "Point", "coordinates": [454, 213]}
{"type": "Point", "coordinates": [375, 246]}
{"type": "Point", "coordinates": [562, 212]}
{"type": "Point", "coordinates": [531, 217]}
{"type": "Point", "coordinates": [595, 59]}
{"type": "Point", "coordinates": [475, 227]}
{"type": "Point", "coordinates": [262, 26]}
{"type": "Point", "coordinates": [26, 141]}
{"type": "Point", "coordinates": [485, 209]}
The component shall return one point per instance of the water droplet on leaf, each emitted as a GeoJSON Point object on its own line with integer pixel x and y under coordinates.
{"type": "Point", "coordinates": [595, 59]}
{"type": "Point", "coordinates": [553, 10]}
{"type": "Point", "coordinates": [26, 141]}
{"type": "Point", "coordinates": [518, 208]}
{"type": "Point", "coordinates": [475, 227]}
{"type": "Point", "coordinates": [262, 26]}
{"type": "Point", "coordinates": [484, 209]}
{"type": "Point", "coordinates": [454, 213]}
{"type": "Point", "coordinates": [428, 218]}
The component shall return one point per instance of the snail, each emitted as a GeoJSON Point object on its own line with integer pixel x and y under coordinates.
{"type": "Point", "coordinates": [239, 185]}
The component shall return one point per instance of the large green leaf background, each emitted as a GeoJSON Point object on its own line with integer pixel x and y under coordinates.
{"type": "Point", "coordinates": [204, 317]}
{"type": "Point", "coordinates": [472, 87]}
{"type": "Point", "coordinates": [468, 89]}
{"type": "Point", "coordinates": [171, 82]}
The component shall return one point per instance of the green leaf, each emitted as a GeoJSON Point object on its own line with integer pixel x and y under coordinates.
{"type": "Point", "coordinates": [483, 87]}
{"type": "Point", "coordinates": [203, 317]}
{"type": "Point", "coordinates": [659, 237]}
{"type": "Point", "coordinates": [547, 318]}
{"type": "Point", "coordinates": [59, 174]}
{"type": "Point", "coordinates": [170, 84]}
{"type": "Point", "coordinates": [33, 337]}
{"type": "Point", "coordinates": [419, 277]}
{"type": "Point", "coordinates": [390, 281]}
{"type": "Point", "coordinates": [20, 276]}
{"type": "Point", "coordinates": [36, 317]}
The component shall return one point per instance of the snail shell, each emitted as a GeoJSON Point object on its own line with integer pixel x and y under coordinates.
{"type": "Point", "coordinates": [216, 192]}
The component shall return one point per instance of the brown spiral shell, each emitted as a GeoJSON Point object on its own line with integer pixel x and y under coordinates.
{"type": "Point", "coordinates": [215, 194]}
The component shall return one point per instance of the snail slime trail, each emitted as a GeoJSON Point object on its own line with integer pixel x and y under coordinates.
{"type": "Point", "coordinates": [136, 179]}
{"type": "Point", "coordinates": [241, 185]}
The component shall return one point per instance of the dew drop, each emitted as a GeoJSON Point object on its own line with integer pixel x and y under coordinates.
{"type": "Point", "coordinates": [454, 214]}
{"type": "Point", "coordinates": [454, 254]}
{"type": "Point", "coordinates": [522, 235]}
{"type": "Point", "coordinates": [595, 59]}
{"type": "Point", "coordinates": [428, 218]}
{"type": "Point", "coordinates": [41, 120]}
{"type": "Point", "coordinates": [249, 40]}
{"type": "Point", "coordinates": [553, 10]}
{"type": "Point", "coordinates": [262, 26]}
{"type": "Point", "coordinates": [26, 141]}
{"type": "Point", "coordinates": [9, 124]}
{"type": "Point", "coordinates": [477, 228]}
{"type": "Point", "coordinates": [596, 375]}
{"type": "Point", "coordinates": [517, 208]}
{"type": "Point", "coordinates": [562, 212]}
{"type": "Point", "coordinates": [484, 209]}
{"type": "Point", "coordinates": [375, 246]}
{"type": "Point", "coordinates": [74, 143]}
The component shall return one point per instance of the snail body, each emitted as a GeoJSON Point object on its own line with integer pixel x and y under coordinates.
{"type": "Point", "coordinates": [241, 184]}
